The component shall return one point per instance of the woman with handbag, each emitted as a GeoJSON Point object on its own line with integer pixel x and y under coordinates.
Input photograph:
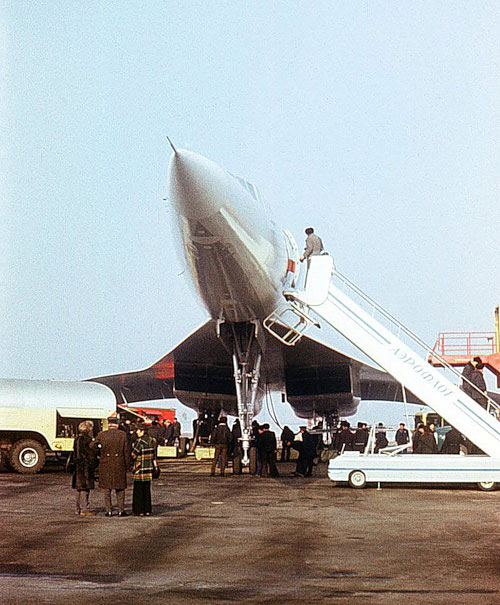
{"type": "Point", "coordinates": [144, 455]}
{"type": "Point", "coordinates": [84, 464]}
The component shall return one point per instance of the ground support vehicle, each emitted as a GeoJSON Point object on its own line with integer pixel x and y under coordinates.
{"type": "Point", "coordinates": [391, 345]}
{"type": "Point", "coordinates": [359, 469]}
{"type": "Point", "coordinates": [38, 417]}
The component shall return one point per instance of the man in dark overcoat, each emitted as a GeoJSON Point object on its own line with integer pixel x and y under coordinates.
{"type": "Point", "coordinates": [84, 468]}
{"type": "Point", "coordinates": [221, 439]}
{"type": "Point", "coordinates": [452, 442]}
{"type": "Point", "coordinates": [236, 449]}
{"type": "Point", "coordinates": [267, 447]}
{"type": "Point", "coordinates": [114, 462]}
{"type": "Point", "coordinates": [469, 368]}
{"type": "Point", "coordinates": [306, 446]}
{"type": "Point", "coordinates": [155, 431]}
{"type": "Point", "coordinates": [426, 442]}
{"type": "Point", "coordinates": [381, 440]}
{"type": "Point", "coordinates": [287, 438]}
{"type": "Point", "coordinates": [479, 393]}
{"type": "Point", "coordinates": [169, 432]}
{"type": "Point", "coordinates": [361, 436]}
{"type": "Point", "coordinates": [344, 439]}
{"type": "Point", "coordinates": [402, 435]}
{"type": "Point", "coordinates": [176, 432]}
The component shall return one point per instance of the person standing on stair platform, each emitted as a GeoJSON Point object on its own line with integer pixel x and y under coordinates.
{"type": "Point", "coordinates": [314, 245]}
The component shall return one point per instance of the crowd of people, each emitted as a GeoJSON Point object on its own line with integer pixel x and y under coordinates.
{"type": "Point", "coordinates": [263, 449]}
{"type": "Point", "coordinates": [424, 439]}
{"type": "Point", "coordinates": [132, 446]}
{"type": "Point", "coordinates": [308, 444]}
{"type": "Point", "coordinates": [125, 446]}
{"type": "Point", "coordinates": [164, 432]}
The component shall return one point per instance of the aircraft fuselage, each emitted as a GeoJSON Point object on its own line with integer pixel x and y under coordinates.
{"type": "Point", "coordinates": [238, 257]}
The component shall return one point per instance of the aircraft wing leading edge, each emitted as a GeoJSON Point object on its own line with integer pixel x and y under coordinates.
{"type": "Point", "coordinates": [199, 372]}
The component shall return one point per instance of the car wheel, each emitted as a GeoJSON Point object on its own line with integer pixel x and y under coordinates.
{"type": "Point", "coordinates": [487, 486]}
{"type": "Point", "coordinates": [357, 479]}
{"type": "Point", "coordinates": [27, 456]}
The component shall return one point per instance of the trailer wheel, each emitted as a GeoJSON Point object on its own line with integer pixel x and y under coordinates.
{"type": "Point", "coordinates": [487, 486]}
{"type": "Point", "coordinates": [357, 479]}
{"type": "Point", "coordinates": [27, 456]}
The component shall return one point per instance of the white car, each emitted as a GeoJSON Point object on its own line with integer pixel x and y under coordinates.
{"type": "Point", "coordinates": [359, 469]}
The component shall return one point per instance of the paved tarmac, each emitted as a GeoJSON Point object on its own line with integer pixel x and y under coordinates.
{"type": "Point", "coordinates": [249, 540]}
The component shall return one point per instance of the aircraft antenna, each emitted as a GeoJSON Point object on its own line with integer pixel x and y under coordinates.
{"type": "Point", "coordinates": [172, 145]}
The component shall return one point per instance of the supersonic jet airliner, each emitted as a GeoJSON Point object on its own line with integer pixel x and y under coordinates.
{"type": "Point", "coordinates": [241, 263]}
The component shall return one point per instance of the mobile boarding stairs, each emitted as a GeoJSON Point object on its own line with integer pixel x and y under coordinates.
{"type": "Point", "coordinates": [388, 343]}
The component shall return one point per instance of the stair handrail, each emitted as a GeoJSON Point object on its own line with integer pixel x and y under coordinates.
{"type": "Point", "coordinates": [491, 404]}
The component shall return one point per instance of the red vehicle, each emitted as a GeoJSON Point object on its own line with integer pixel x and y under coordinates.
{"type": "Point", "coordinates": [150, 413]}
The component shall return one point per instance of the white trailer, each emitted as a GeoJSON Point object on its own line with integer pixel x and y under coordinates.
{"type": "Point", "coordinates": [359, 469]}
{"type": "Point", "coordinates": [41, 416]}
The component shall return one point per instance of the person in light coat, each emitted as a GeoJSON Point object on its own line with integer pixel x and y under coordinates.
{"type": "Point", "coordinates": [314, 245]}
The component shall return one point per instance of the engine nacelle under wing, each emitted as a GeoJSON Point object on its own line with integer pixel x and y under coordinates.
{"type": "Point", "coordinates": [322, 389]}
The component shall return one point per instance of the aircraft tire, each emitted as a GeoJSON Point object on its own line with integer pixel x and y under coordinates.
{"type": "Point", "coordinates": [487, 486]}
{"type": "Point", "coordinates": [357, 479]}
{"type": "Point", "coordinates": [184, 447]}
{"type": "Point", "coordinates": [27, 456]}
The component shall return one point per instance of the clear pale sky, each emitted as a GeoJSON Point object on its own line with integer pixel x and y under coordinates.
{"type": "Point", "coordinates": [376, 122]}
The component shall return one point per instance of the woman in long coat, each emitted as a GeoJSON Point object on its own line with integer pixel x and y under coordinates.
{"type": "Point", "coordinates": [85, 463]}
{"type": "Point", "coordinates": [144, 455]}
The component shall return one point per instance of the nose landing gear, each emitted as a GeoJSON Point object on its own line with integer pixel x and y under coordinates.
{"type": "Point", "coordinates": [242, 340]}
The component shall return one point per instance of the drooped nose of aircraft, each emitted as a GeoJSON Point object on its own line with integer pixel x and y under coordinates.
{"type": "Point", "coordinates": [197, 186]}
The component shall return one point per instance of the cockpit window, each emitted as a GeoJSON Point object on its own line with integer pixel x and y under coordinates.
{"type": "Point", "coordinates": [252, 189]}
